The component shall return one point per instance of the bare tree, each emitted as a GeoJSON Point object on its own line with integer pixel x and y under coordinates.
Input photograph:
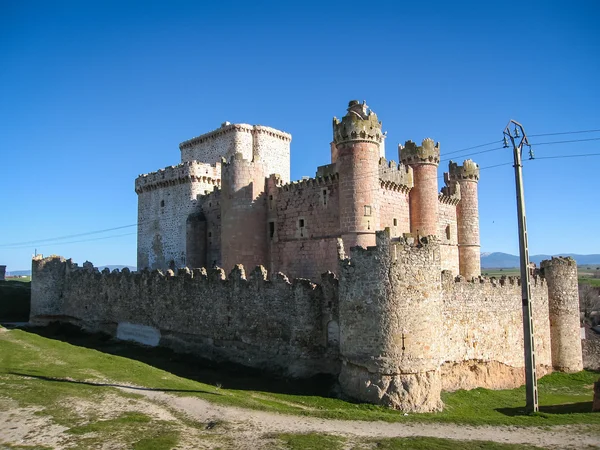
{"type": "Point", "coordinates": [589, 300]}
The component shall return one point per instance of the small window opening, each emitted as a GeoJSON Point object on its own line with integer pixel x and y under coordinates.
{"type": "Point", "coordinates": [448, 234]}
{"type": "Point", "coordinates": [210, 234]}
{"type": "Point", "coordinates": [209, 204]}
{"type": "Point", "coordinates": [324, 197]}
{"type": "Point", "coordinates": [162, 203]}
{"type": "Point", "coordinates": [395, 222]}
{"type": "Point", "coordinates": [301, 226]}
{"type": "Point", "coordinates": [368, 224]}
{"type": "Point", "coordinates": [271, 229]}
{"type": "Point", "coordinates": [367, 210]}
{"type": "Point", "coordinates": [270, 202]}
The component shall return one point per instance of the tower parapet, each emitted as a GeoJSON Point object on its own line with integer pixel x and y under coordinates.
{"type": "Point", "coordinates": [468, 171]}
{"type": "Point", "coordinates": [359, 124]}
{"type": "Point", "coordinates": [426, 153]}
{"type": "Point", "coordinates": [467, 216]}
{"type": "Point", "coordinates": [391, 322]}
{"type": "Point", "coordinates": [563, 306]}
{"type": "Point", "coordinates": [424, 160]}
{"type": "Point", "coordinates": [357, 138]}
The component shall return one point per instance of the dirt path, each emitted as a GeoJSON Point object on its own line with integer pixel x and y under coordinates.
{"type": "Point", "coordinates": [250, 426]}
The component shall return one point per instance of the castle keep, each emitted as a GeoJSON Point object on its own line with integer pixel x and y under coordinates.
{"type": "Point", "coordinates": [230, 201]}
{"type": "Point", "coordinates": [384, 287]}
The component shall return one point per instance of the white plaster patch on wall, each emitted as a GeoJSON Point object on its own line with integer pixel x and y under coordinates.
{"type": "Point", "coordinates": [142, 334]}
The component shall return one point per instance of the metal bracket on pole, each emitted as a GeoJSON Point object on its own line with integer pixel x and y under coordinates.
{"type": "Point", "coordinates": [518, 138]}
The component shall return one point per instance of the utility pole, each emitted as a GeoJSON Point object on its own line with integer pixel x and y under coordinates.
{"type": "Point", "coordinates": [518, 138]}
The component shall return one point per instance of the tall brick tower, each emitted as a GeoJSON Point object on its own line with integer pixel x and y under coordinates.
{"type": "Point", "coordinates": [424, 160]}
{"type": "Point", "coordinates": [243, 214]}
{"type": "Point", "coordinates": [467, 217]}
{"type": "Point", "coordinates": [357, 139]}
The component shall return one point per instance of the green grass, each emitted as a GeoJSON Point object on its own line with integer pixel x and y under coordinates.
{"type": "Point", "coordinates": [595, 282]}
{"type": "Point", "coordinates": [495, 272]}
{"type": "Point", "coordinates": [26, 279]}
{"type": "Point", "coordinates": [39, 371]}
{"type": "Point", "coordinates": [329, 442]}
{"type": "Point", "coordinates": [311, 441]}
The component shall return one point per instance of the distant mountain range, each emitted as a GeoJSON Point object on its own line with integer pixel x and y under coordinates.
{"type": "Point", "coordinates": [17, 273]}
{"type": "Point", "coordinates": [498, 260]}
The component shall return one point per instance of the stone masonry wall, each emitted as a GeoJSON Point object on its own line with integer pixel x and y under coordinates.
{"type": "Point", "coordinates": [591, 354]}
{"type": "Point", "coordinates": [211, 206]}
{"type": "Point", "coordinates": [447, 235]}
{"type": "Point", "coordinates": [272, 147]}
{"type": "Point", "coordinates": [391, 324]}
{"type": "Point", "coordinates": [395, 210]}
{"type": "Point", "coordinates": [165, 199]}
{"type": "Point", "coordinates": [311, 249]}
{"type": "Point", "coordinates": [483, 329]}
{"type": "Point", "coordinates": [254, 142]}
{"type": "Point", "coordinates": [279, 325]}
{"type": "Point", "coordinates": [220, 143]}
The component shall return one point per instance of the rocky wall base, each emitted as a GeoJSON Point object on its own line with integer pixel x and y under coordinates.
{"type": "Point", "coordinates": [485, 374]}
{"type": "Point", "coordinates": [411, 392]}
{"type": "Point", "coordinates": [591, 353]}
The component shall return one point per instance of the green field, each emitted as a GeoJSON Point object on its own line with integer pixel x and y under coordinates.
{"type": "Point", "coordinates": [50, 375]}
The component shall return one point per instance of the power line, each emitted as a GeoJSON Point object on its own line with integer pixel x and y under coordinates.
{"type": "Point", "coordinates": [566, 156]}
{"type": "Point", "coordinates": [474, 147]}
{"type": "Point", "coordinates": [564, 142]}
{"type": "Point", "coordinates": [72, 242]}
{"type": "Point", "coordinates": [563, 132]}
{"type": "Point", "coordinates": [475, 153]}
{"type": "Point", "coordinates": [69, 236]}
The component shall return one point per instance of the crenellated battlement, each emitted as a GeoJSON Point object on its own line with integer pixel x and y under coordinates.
{"type": "Point", "coordinates": [359, 124]}
{"type": "Point", "coordinates": [185, 172]}
{"type": "Point", "coordinates": [468, 171]}
{"type": "Point", "coordinates": [450, 194]}
{"type": "Point", "coordinates": [310, 182]}
{"type": "Point", "coordinates": [426, 153]}
{"type": "Point", "coordinates": [57, 264]}
{"type": "Point", "coordinates": [227, 128]}
{"type": "Point", "coordinates": [394, 176]}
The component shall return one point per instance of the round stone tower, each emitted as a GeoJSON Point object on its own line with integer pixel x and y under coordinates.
{"type": "Point", "coordinates": [563, 305]}
{"type": "Point", "coordinates": [390, 310]}
{"type": "Point", "coordinates": [357, 138]}
{"type": "Point", "coordinates": [243, 213]}
{"type": "Point", "coordinates": [424, 160]}
{"type": "Point", "coordinates": [467, 217]}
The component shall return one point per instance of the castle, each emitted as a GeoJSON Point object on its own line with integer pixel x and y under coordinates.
{"type": "Point", "coordinates": [230, 201]}
{"type": "Point", "coordinates": [386, 291]}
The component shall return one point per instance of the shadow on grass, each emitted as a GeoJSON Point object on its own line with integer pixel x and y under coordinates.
{"type": "Point", "coordinates": [226, 375]}
{"type": "Point", "coordinates": [567, 408]}
{"type": "Point", "coordinates": [92, 383]}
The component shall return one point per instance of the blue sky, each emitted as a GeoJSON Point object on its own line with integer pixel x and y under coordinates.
{"type": "Point", "coordinates": [95, 93]}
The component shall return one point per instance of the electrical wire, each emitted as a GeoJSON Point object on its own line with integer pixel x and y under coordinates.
{"type": "Point", "coordinates": [563, 132]}
{"type": "Point", "coordinates": [564, 142]}
{"type": "Point", "coordinates": [69, 236]}
{"type": "Point", "coordinates": [71, 242]}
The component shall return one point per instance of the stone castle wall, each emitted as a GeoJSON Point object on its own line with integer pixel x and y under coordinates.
{"type": "Point", "coordinates": [306, 225]}
{"type": "Point", "coordinates": [165, 200]}
{"type": "Point", "coordinates": [279, 325]}
{"type": "Point", "coordinates": [483, 323]}
{"type": "Point", "coordinates": [254, 142]}
{"type": "Point", "coordinates": [395, 327]}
